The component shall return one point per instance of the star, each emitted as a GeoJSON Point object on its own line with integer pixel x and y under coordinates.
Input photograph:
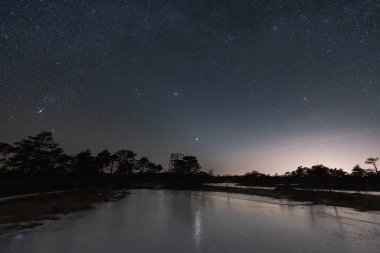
{"type": "Point", "coordinates": [41, 110]}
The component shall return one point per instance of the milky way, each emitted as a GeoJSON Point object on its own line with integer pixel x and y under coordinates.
{"type": "Point", "coordinates": [242, 84]}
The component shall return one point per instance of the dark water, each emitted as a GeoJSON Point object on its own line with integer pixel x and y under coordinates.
{"type": "Point", "coordinates": [177, 221]}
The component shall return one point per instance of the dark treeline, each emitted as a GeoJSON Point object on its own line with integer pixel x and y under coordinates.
{"type": "Point", "coordinates": [39, 164]}
{"type": "Point", "coordinates": [318, 177]}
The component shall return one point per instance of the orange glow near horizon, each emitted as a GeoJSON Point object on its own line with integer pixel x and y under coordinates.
{"type": "Point", "coordinates": [335, 151]}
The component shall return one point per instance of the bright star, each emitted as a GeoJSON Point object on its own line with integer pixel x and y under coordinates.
{"type": "Point", "coordinates": [41, 110]}
{"type": "Point", "coordinates": [196, 139]}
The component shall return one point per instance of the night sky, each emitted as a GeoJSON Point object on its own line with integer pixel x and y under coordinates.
{"type": "Point", "coordinates": [241, 84]}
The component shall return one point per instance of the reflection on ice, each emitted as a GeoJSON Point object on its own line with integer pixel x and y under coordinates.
{"type": "Point", "coordinates": [197, 227]}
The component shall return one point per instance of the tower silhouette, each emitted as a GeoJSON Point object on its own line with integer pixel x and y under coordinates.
{"type": "Point", "coordinates": [174, 157]}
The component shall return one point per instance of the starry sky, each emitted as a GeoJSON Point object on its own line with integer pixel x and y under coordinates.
{"type": "Point", "coordinates": [242, 84]}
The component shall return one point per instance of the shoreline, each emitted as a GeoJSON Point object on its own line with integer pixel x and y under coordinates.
{"type": "Point", "coordinates": [357, 201]}
{"type": "Point", "coordinates": [31, 211]}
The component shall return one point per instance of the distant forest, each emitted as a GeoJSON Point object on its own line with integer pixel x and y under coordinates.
{"type": "Point", "coordinates": [316, 177]}
{"type": "Point", "coordinates": [39, 164]}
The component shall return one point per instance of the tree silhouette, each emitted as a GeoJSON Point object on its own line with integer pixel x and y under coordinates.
{"type": "Point", "coordinates": [157, 168]}
{"type": "Point", "coordinates": [103, 160]}
{"type": "Point", "coordinates": [358, 171]}
{"type": "Point", "coordinates": [300, 172]}
{"type": "Point", "coordinates": [373, 161]}
{"type": "Point", "coordinates": [84, 164]}
{"type": "Point", "coordinates": [63, 164]}
{"type": "Point", "coordinates": [143, 164]}
{"type": "Point", "coordinates": [126, 162]}
{"type": "Point", "coordinates": [254, 174]}
{"type": "Point", "coordinates": [337, 173]}
{"type": "Point", "coordinates": [154, 168]}
{"type": "Point", "coordinates": [39, 157]}
{"type": "Point", "coordinates": [319, 171]}
{"type": "Point", "coordinates": [6, 151]}
{"type": "Point", "coordinates": [188, 166]}
{"type": "Point", "coordinates": [37, 154]}
{"type": "Point", "coordinates": [113, 162]}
